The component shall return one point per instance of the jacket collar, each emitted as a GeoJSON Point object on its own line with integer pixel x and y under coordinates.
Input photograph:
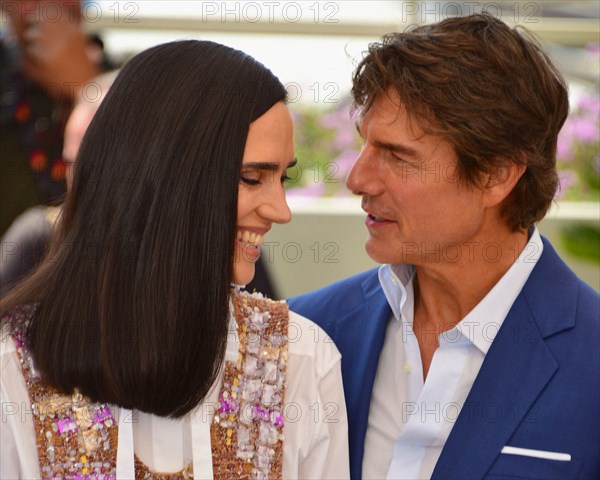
{"type": "Point", "coordinates": [515, 371]}
{"type": "Point", "coordinates": [362, 340]}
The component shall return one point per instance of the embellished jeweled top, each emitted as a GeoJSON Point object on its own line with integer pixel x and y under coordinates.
{"type": "Point", "coordinates": [78, 439]}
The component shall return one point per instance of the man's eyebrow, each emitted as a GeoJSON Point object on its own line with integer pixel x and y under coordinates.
{"type": "Point", "coordinates": [268, 166]}
{"type": "Point", "coordinates": [397, 148]}
{"type": "Point", "coordinates": [392, 147]}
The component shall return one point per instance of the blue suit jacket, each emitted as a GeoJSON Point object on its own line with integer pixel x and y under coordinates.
{"type": "Point", "coordinates": [538, 387]}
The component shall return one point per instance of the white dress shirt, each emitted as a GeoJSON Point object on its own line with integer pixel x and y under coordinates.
{"type": "Point", "coordinates": [316, 437]}
{"type": "Point", "coordinates": [410, 420]}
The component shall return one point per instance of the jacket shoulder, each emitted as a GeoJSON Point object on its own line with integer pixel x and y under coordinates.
{"type": "Point", "coordinates": [325, 305]}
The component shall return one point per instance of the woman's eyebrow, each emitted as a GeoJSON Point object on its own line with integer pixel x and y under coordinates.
{"type": "Point", "coordinates": [268, 166]}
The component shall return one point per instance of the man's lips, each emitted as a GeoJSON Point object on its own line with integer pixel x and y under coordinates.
{"type": "Point", "coordinates": [375, 221]}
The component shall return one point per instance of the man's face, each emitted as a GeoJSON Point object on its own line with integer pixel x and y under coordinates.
{"type": "Point", "coordinates": [23, 13]}
{"type": "Point", "coordinates": [418, 210]}
{"type": "Point", "coordinates": [77, 124]}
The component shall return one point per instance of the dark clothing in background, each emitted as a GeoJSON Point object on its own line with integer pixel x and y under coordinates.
{"type": "Point", "coordinates": [262, 281]}
{"type": "Point", "coordinates": [24, 245]}
{"type": "Point", "coordinates": [32, 123]}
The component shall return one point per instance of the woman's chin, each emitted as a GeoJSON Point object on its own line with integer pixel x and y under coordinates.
{"type": "Point", "coordinates": [243, 274]}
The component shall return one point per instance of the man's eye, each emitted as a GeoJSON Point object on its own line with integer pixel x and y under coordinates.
{"type": "Point", "coordinates": [285, 179]}
{"type": "Point", "coordinates": [397, 158]}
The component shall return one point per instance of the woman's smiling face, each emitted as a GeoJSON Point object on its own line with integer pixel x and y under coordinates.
{"type": "Point", "coordinates": [269, 152]}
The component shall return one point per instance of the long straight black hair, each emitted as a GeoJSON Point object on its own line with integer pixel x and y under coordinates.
{"type": "Point", "coordinates": [133, 295]}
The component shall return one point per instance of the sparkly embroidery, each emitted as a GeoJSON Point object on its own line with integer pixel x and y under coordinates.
{"type": "Point", "coordinates": [77, 439]}
{"type": "Point", "coordinates": [142, 472]}
{"type": "Point", "coordinates": [247, 432]}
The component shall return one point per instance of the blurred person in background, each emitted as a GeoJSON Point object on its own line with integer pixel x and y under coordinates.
{"type": "Point", "coordinates": [25, 243]}
{"type": "Point", "coordinates": [46, 59]}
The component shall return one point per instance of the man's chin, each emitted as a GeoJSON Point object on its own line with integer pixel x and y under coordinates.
{"type": "Point", "coordinates": [377, 252]}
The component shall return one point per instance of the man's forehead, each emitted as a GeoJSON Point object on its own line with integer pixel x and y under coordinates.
{"type": "Point", "coordinates": [388, 111]}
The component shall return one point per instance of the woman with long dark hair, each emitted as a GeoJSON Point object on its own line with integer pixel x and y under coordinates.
{"type": "Point", "coordinates": [129, 352]}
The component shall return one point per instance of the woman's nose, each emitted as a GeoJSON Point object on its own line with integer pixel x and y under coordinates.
{"type": "Point", "coordinates": [276, 208]}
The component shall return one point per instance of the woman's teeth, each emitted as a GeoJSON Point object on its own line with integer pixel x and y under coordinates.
{"type": "Point", "coordinates": [251, 238]}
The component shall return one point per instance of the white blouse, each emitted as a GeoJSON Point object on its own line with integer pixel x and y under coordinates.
{"type": "Point", "coordinates": [316, 430]}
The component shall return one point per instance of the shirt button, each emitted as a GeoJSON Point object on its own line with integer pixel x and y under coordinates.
{"type": "Point", "coordinates": [407, 367]}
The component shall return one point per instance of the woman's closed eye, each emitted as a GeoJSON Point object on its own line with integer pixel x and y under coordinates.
{"type": "Point", "coordinates": [256, 173]}
{"type": "Point", "coordinates": [285, 178]}
{"type": "Point", "coordinates": [250, 181]}
{"type": "Point", "coordinates": [251, 177]}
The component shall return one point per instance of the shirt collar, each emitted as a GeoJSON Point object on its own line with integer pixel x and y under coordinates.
{"type": "Point", "coordinates": [396, 282]}
{"type": "Point", "coordinates": [480, 326]}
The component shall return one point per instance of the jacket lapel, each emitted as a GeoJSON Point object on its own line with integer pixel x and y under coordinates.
{"type": "Point", "coordinates": [360, 337]}
{"type": "Point", "coordinates": [515, 371]}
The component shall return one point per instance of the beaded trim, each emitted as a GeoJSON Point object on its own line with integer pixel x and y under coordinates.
{"type": "Point", "coordinates": [247, 432]}
{"type": "Point", "coordinates": [77, 439]}
{"type": "Point", "coordinates": [142, 472]}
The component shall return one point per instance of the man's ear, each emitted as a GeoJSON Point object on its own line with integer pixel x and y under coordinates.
{"type": "Point", "coordinates": [498, 184]}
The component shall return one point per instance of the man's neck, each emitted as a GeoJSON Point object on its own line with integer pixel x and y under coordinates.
{"type": "Point", "coordinates": [445, 292]}
{"type": "Point", "coordinates": [449, 290]}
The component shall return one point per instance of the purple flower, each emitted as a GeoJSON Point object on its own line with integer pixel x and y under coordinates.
{"type": "Point", "coordinates": [593, 49]}
{"type": "Point", "coordinates": [564, 151]}
{"type": "Point", "coordinates": [344, 163]}
{"type": "Point", "coordinates": [590, 104]}
{"type": "Point", "coordinates": [585, 129]}
{"type": "Point", "coordinates": [331, 120]}
{"type": "Point", "coordinates": [340, 118]}
{"type": "Point", "coordinates": [316, 189]}
{"type": "Point", "coordinates": [567, 179]}
{"type": "Point", "coordinates": [345, 138]}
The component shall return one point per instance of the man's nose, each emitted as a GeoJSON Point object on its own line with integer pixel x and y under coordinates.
{"type": "Point", "coordinates": [364, 178]}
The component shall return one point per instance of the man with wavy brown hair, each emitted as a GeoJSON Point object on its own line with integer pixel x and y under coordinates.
{"type": "Point", "coordinates": [473, 351]}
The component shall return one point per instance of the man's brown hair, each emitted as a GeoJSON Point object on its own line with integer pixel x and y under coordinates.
{"type": "Point", "coordinates": [487, 89]}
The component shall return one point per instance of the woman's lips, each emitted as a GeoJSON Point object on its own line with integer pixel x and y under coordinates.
{"type": "Point", "coordinates": [249, 243]}
{"type": "Point", "coordinates": [250, 238]}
